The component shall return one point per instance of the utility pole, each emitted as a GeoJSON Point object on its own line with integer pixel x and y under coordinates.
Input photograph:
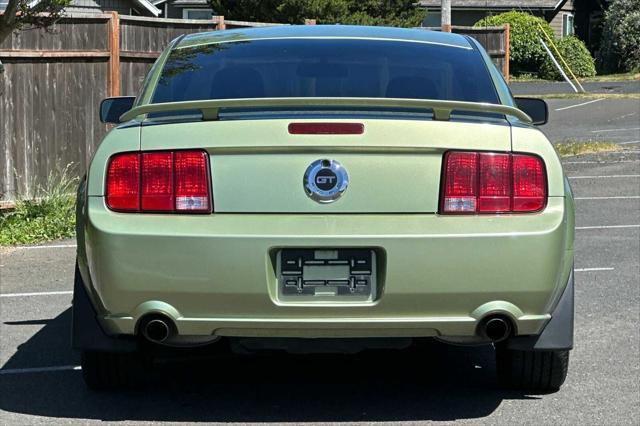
{"type": "Point", "coordinates": [445, 10]}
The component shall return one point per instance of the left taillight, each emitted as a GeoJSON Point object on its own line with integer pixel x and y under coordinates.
{"type": "Point", "coordinates": [159, 181]}
{"type": "Point", "coordinates": [123, 182]}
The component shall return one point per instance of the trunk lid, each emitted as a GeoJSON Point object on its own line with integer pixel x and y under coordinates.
{"type": "Point", "coordinates": [394, 166]}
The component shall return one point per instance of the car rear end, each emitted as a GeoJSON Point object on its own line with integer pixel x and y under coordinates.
{"type": "Point", "coordinates": [325, 221]}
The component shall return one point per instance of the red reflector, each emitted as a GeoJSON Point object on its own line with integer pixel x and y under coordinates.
{"type": "Point", "coordinates": [123, 182]}
{"type": "Point", "coordinates": [192, 181]}
{"type": "Point", "coordinates": [495, 183]}
{"type": "Point", "coordinates": [529, 183]}
{"type": "Point", "coordinates": [460, 184]}
{"type": "Point", "coordinates": [326, 128]}
{"type": "Point", "coordinates": [157, 181]}
{"type": "Point", "coordinates": [487, 182]}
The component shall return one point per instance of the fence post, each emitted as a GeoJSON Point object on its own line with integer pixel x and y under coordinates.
{"type": "Point", "coordinates": [507, 51]}
{"type": "Point", "coordinates": [113, 81]}
{"type": "Point", "coordinates": [309, 21]}
{"type": "Point", "coordinates": [221, 25]}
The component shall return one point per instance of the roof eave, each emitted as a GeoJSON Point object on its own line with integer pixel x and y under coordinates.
{"type": "Point", "coordinates": [149, 7]}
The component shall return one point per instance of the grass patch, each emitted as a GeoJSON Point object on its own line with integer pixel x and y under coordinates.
{"type": "Point", "coordinates": [569, 147]}
{"type": "Point", "coordinates": [527, 78]}
{"type": "Point", "coordinates": [533, 78]}
{"type": "Point", "coordinates": [629, 76]}
{"type": "Point", "coordinates": [48, 215]}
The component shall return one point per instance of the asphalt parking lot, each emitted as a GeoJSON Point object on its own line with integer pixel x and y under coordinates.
{"type": "Point", "coordinates": [614, 120]}
{"type": "Point", "coordinates": [41, 383]}
{"type": "Point", "coordinates": [552, 87]}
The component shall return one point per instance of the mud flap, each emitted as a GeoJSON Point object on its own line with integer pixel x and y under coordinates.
{"type": "Point", "coordinates": [86, 332]}
{"type": "Point", "coordinates": [558, 333]}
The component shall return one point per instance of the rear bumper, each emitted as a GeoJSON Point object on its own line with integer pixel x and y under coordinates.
{"type": "Point", "coordinates": [214, 274]}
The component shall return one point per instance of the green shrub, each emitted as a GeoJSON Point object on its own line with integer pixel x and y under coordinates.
{"type": "Point", "coordinates": [577, 56]}
{"type": "Point", "coordinates": [525, 49]}
{"type": "Point", "coordinates": [48, 216]}
{"type": "Point", "coordinates": [620, 45]}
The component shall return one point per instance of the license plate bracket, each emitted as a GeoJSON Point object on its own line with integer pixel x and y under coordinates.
{"type": "Point", "coordinates": [326, 274]}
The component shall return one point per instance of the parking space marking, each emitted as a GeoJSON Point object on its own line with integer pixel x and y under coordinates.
{"type": "Point", "coordinates": [44, 247]}
{"type": "Point", "coordinates": [600, 162]}
{"type": "Point", "coordinates": [615, 130]}
{"type": "Point", "coordinates": [620, 197]}
{"type": "Point", "coordinates": [42, 293]}
{"type": "Point", "coordinates": [578, 228]}
{"type": "Point", "coordinates": [628, 143]}
{"type": "Point", "coordinates": [604, 177]}
{"type": "Point", "coordinates": [593, 269]}
{"type": "Point", "coordinates": [579, 105]}
{"type": "Point", "coordinates": [39, 369]}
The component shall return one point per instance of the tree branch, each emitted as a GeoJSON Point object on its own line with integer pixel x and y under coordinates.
{"type": "Point", "coordinates": [19, 13]}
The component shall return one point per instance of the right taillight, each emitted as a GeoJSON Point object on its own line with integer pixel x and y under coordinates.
{"type": "Point", "coordinates": [491, 182]}
{"type": "Point", "coordinates": [192, 182]}
{"type": "Point", "coordinates": [159, 181]}
{"type": "Point", "coordinates": [529, 183]}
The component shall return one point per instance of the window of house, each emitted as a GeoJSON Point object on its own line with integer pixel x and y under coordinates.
{"type": "Point", "coordinates": [197, 13]}
{"type": "Point", "coordinates": [567, 24]}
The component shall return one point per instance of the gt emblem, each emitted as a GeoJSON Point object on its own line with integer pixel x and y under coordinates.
{"type": "Point", "coordinates": [325, 180]}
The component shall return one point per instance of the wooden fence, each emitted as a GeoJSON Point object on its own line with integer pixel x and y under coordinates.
{"type": "Point", "coordinates": [54, 80]}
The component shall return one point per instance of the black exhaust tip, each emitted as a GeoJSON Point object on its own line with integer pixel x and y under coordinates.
{"type": "Point", "coordinates": [495, 329]}
{"type": "Point", "coordinates": [156, 329]}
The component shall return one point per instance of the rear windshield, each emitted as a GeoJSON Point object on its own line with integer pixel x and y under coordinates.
{"type": "Point", "coordinates": [325, 68]}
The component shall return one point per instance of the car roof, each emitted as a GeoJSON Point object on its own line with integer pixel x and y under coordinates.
{"type": "Point", "coordinates": [326, 31]}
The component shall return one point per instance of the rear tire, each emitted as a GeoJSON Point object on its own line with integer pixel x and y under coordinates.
{"type": "Point", "coordinates": [543, 371]}
{"type": "Point", "coordinates": [105, 370]}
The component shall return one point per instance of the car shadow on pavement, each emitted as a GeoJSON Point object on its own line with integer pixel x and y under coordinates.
{"type": "Point", "coordinates": [435, 382]}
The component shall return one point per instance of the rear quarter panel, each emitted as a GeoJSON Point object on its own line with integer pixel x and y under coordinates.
{"type": "Point", "coordinates": [531, 140]}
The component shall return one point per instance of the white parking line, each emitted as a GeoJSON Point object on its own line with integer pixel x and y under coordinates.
{"type": "Point", "coordinates": [44, 247]}
{"type": "Point", "coordinates": [628, 143]}
{"type": "Point", "coordinates": [600, 162]}
{"type": "Point", "coordinates": [615, 130]}
{"type": "Point", "coordinates": [579, 105]}
{"type": "Point", "coordinates": [39, 369]}
{"type": "Point", "coordinates": [578, 228]}
{"type": "Point", "coordinates": [43, 293]}
{"type": "Point", "coordinates": [592, 269]}
{"type": "Point", "coordinates": [626, 197]}
{"type": "Point", "coordinates": [604, 177]}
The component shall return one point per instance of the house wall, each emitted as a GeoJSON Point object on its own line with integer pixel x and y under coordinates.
{"type": "Point", "coordinates": [92, 6]}
{"type": "Point", "coordinates": [173, 12]}
{"type": "Point", "coordinates": [555, 18]}
{"type": "Point", "coordinates": [466, 17]}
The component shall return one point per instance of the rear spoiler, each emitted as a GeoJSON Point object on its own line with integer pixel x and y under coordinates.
{"type": "Point", "coordinates": [441, 109]}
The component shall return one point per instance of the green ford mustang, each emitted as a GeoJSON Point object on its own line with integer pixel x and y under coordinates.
{"type": "Point", "coordinates": [324, 188]}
